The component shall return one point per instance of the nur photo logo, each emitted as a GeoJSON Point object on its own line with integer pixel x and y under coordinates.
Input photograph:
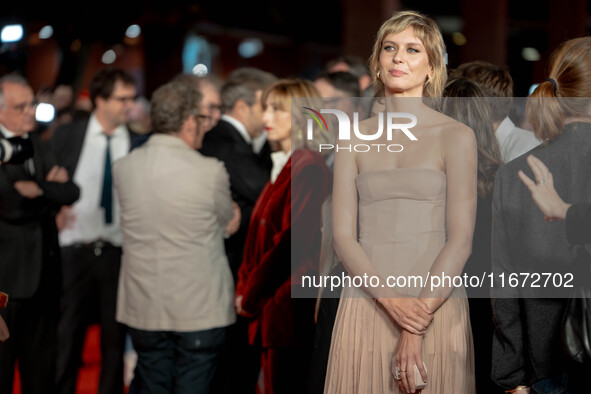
{"type": "Point", "coordinates": [387, 121]}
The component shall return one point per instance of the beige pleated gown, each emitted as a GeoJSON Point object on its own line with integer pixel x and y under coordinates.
{"type": "Point", "coordinates": [402, 230]}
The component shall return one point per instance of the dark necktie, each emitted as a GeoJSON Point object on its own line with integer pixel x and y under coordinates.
{"type": "Point", "coordinates": [107, 195]}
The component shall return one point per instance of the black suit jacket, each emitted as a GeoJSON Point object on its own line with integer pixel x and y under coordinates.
{"type": "Point", "coordinates": [527, 344]}
{"type": "Point", "coordinates": [67, 143]}
{"type": "Point", "coordinates": [28, 236]}
{"type": "Point", "coordinates": [578, 223]}
{"type": "Point", "coordinates": [249, 173]}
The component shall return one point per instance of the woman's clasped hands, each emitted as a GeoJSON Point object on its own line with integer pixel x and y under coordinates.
{"type": "Point", "coordinates": [414, 317]}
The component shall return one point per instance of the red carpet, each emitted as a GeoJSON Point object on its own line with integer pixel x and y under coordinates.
{"type": "Point", "coordinates": [91, 365]}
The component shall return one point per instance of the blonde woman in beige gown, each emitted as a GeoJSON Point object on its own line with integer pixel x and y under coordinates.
{"type": "Point", "coordinates": [415, 211]}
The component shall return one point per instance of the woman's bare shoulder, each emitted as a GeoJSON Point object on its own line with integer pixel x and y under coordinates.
{"type": "Point", "coordinates": [448, 127]}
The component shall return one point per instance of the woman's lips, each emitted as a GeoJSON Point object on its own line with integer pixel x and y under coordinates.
{"type": "Point", "coordinates": [397, 73]}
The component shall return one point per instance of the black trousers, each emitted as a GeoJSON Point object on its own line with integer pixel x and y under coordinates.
{"type": "Point", "coordinates": [32, 323]}
{"type": "Point", "coordinates": [175, 362]}
{"type": "Point", "coordinates": [327, 313]}
{"type": "Point", "coordinates": [90, 277]}
{"type": "Point", "coordinates": [285, 369]}
{"type": "Point", "coordinates": [239, 363]}
{"type": "Point", "coordinates": [482, 333]}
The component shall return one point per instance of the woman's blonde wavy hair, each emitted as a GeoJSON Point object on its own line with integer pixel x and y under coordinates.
{"type": "Point", "coordinates": [426, 30]}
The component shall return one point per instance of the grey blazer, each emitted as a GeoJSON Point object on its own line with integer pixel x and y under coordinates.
{"type": "Point", "coordinates": [526, 344]}
{"type": "Point", "coordinates": [175, 205]}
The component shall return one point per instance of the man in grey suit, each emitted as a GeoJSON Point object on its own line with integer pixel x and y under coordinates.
{"type": "Point", "coordinates": [175, 286]}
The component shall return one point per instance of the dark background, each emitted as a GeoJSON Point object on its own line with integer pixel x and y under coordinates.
{"type": "Point", "coordinates": [299, 37]}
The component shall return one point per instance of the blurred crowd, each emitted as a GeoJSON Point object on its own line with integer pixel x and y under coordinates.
{"type": "Point", "coordinates": [175, 223]}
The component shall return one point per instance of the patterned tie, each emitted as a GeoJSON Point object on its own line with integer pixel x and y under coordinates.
{"type": "Point", "coordinates": [107, 195]}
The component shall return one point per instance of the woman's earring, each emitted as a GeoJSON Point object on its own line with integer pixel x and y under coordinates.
{"type": "Point", "coordinates": [378, 74]}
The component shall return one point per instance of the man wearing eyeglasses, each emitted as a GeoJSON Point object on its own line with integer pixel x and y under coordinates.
{"type": "Point", "coordinates": [175, 288]}
{"type": "Point", "coordinates": [212, 104]}
{"type": "Point", "coordinates": [210, 107]}
{"type": "Point", "coordinates": [90, 233]}
{"type": "Point", "coordinates": [30, 272]}
{"type": "Point", "coordinates": [209, 110]}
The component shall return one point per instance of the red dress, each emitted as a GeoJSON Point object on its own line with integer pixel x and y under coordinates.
{"type": "Point", "coordinates": [285, 225]}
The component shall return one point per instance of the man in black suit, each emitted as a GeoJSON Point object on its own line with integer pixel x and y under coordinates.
{"type": "Point", "coordinates": [239, 142]}
{"type": "Point", "coordinates": [90, 234]}
{"type": "Point", "coordinates": [30, 271]}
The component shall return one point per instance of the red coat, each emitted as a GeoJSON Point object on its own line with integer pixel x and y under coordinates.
{"type": "Point", "coordinates": [267, 272]}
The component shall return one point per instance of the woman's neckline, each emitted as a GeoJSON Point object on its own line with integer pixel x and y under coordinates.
{"type": "Point", "coordinates": [404, 169]}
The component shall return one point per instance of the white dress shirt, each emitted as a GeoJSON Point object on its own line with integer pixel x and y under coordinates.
{"type": "Point", "coordinates": [89, 217]}
{"type": "Point", "coordinates": [514, 141]}
{"type": "Point", "coordinates": [280, 159]}
{"type": "Point", "coordinates": [7, 133]}
{"type": "Point", "coordinates": [29, 164]}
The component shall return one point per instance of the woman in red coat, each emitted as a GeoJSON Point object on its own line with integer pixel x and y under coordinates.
{"type": "Point", "coordinates": [283, 243]}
